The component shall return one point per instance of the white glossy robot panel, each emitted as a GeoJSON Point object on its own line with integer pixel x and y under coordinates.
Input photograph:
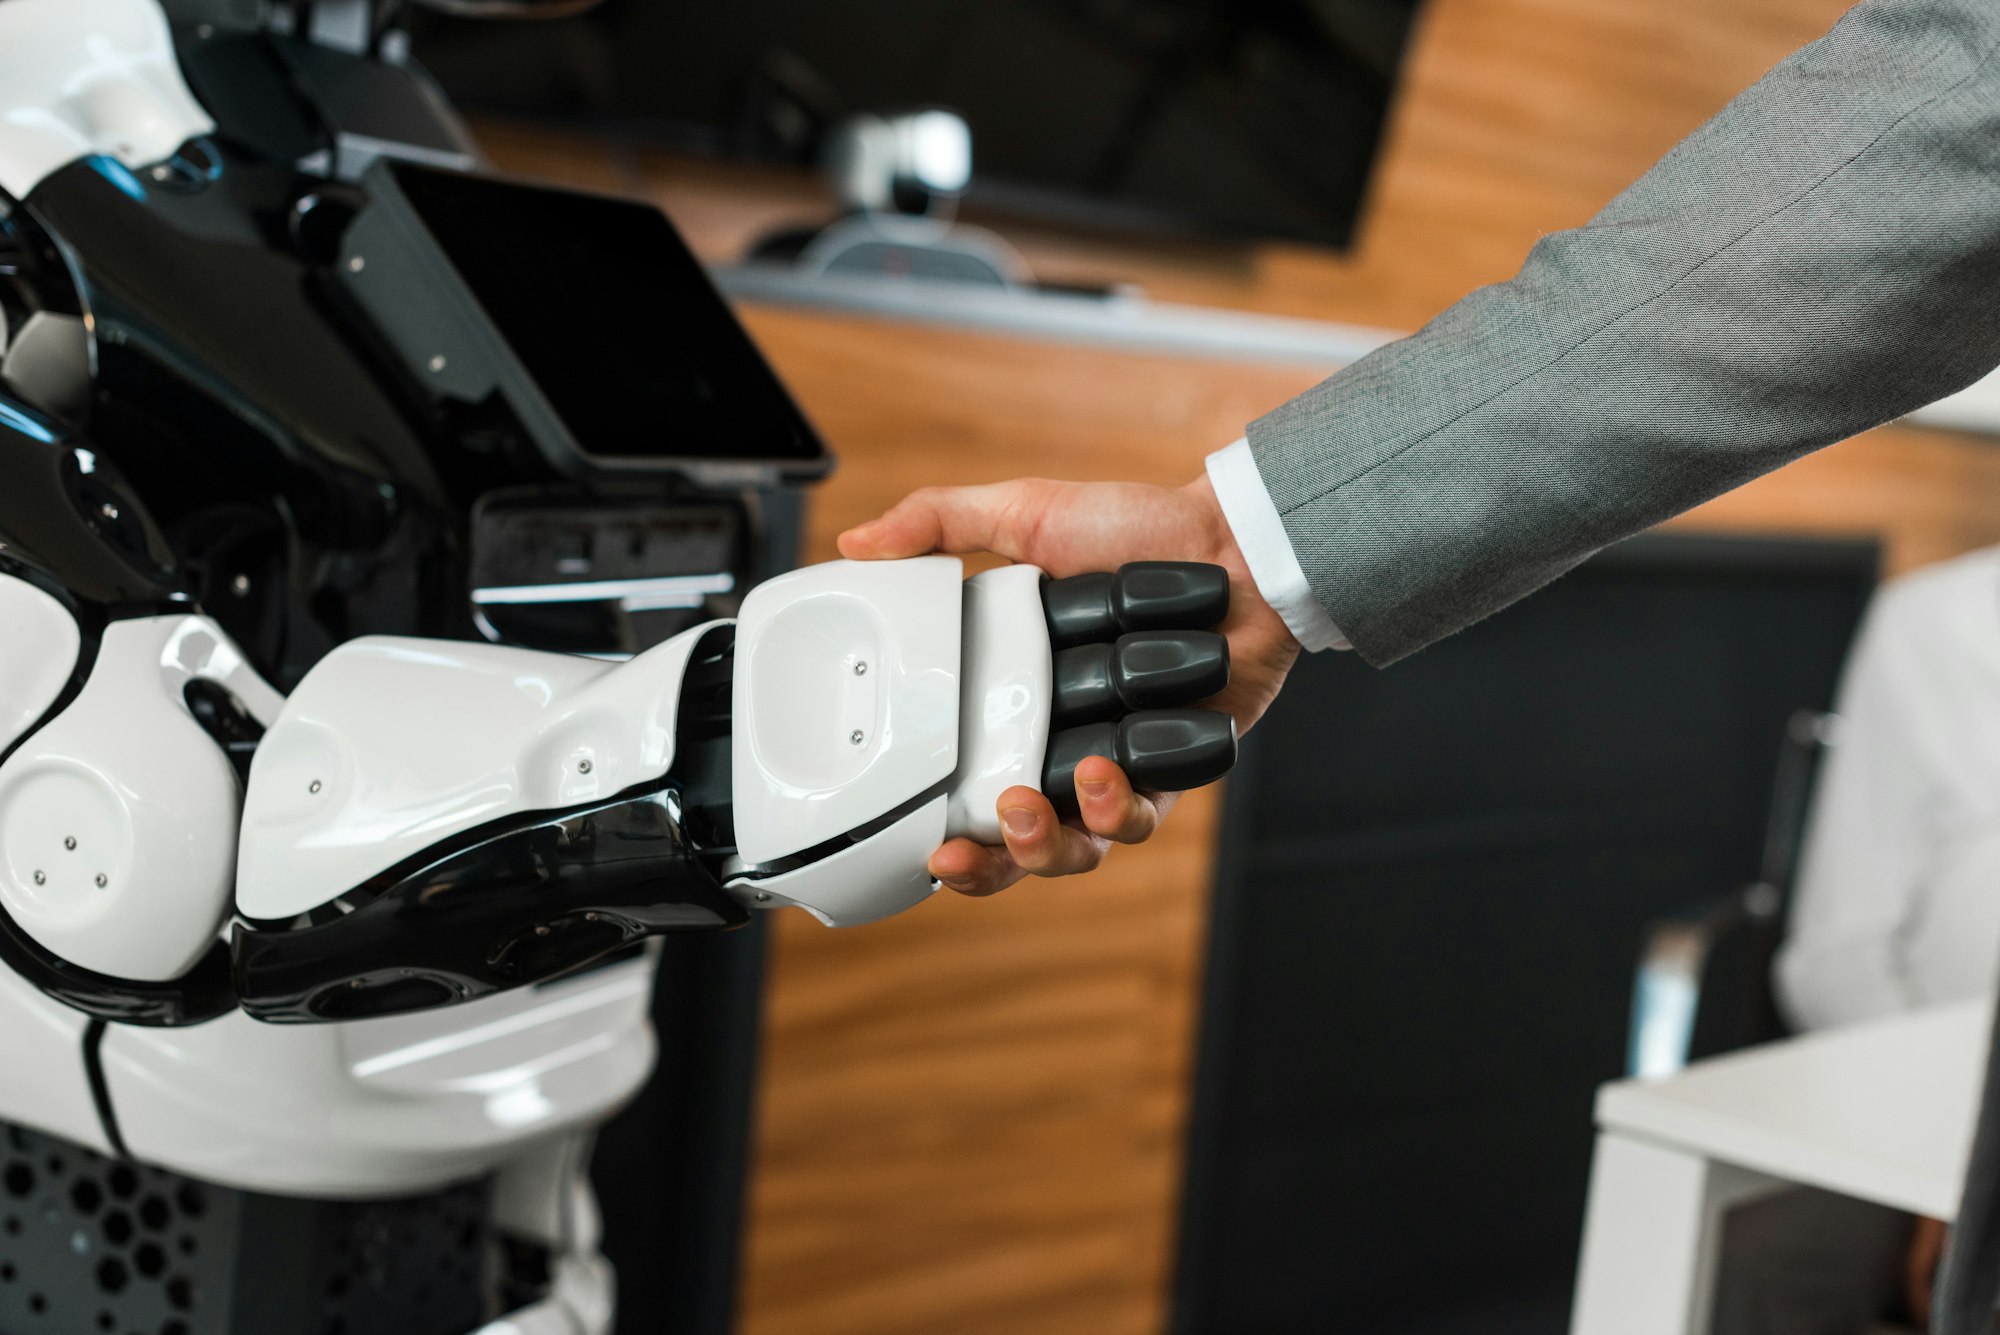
{"type": "Point", "coordinates": [118, 818]}
{"type": "Point", "coordinates": [846, 698]}
{"type": "Point", "coordinates": [1004, 735]}
{"type": "Point", "coordinates": [82, 77]}
{"type": "Point", "coordinates": [383, 1107]}
{"type": "Point", "coordinates": [392, 745]}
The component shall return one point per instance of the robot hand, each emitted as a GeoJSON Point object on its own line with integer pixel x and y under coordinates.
{"type": "Point", "coordinates": [428, 822]}
{"type": "Point", "coordinates": [882, 708]}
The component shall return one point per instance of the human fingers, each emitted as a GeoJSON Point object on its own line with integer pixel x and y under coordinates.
{"type": "Point", "coordinates": [1039, 842]}
{"type": "Point", "coordinates": [999, 517]}
{"type": "Point", "coordinates": [1920, 1266]}
{"type": "Point", "coordinates": [1110, 807]}
{"type": "Point", "coordinates": [974, 869]}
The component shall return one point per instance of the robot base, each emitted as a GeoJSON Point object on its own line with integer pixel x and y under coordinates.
{"type": "Point", "coordinates": [89, 1243]}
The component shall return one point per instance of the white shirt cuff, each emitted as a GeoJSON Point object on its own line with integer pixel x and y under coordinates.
{"type": "Point", "coordinates": [1267, 550]}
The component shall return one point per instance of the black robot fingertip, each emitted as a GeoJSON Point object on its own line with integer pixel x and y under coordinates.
{"type": "Point", "coordinates": [1160, 750]}
{"type": "Point", "coordinates": [1140, 595]}
{"type": "Point", "coordinates": [1147, 669]}
{"type": "Point", "coordinates": [1170, 595]}
{"type": "Point", "coordinates": [1173, 750]}
{"type": "Point", "coordinates": [1161, 669]}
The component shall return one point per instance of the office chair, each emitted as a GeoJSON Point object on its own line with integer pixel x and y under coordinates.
{"type": "Point", "coordinates": [1681, 952]}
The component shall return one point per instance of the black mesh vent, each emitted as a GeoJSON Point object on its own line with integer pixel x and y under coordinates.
{"type": "Point", "coordinates": [89, 1244]}
{"type": "Point", "coordinates": [419, 1265]}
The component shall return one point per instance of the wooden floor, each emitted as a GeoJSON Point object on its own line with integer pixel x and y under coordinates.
{"type": "Point", "coordinates": [971, 1115]}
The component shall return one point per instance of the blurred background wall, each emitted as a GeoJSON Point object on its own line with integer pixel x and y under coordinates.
{"type": "Point", "coordinates": [971, 1117]}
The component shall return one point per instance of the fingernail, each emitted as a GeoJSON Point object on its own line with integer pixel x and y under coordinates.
{"type": "Point", "coordinates": [960, 883]}
{"type": "Point", "coordinates": [1093, 787]}
{"type": "Point", "coordinates": [1020, 821]}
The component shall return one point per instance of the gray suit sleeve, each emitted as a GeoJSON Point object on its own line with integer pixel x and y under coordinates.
{"type": "Point", "coordinates": [1820, 258]}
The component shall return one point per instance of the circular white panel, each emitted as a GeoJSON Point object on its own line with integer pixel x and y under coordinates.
{"type": "Point", "coordinates": [150, 801]}
{"type": "Point", "coordinates": [63, 828]}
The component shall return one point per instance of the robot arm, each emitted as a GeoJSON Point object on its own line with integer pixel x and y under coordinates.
{"type": "Point", "coordinates": [429, 822]}
{"type": "Point", "coordinates": [426, 822]}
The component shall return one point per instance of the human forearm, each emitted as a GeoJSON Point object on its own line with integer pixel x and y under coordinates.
{"type": "Point", "coordinates": [1816, 260]}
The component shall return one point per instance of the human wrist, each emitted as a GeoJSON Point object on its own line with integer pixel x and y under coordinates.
{"type": "Point", "coordinates": [1219, 546]}
{"type": "Point", "coordinates": [1264, 545]}
{"type": "Point", "coordinates": [1215, 542]}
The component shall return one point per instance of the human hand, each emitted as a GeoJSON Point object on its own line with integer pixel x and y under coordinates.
{"type": "Point", "coordinates": [1920, 1265]}
{"type": "Point", "coordinates": [1071, 528]}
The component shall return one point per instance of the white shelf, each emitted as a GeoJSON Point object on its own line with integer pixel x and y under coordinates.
{"type": "Point", "coordinates": [1881, 1111]}
{"type": "Point", "coordinates": [1131, 323]}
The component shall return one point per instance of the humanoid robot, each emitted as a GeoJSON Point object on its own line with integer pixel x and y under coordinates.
{"type": "Point", "coordinates": [329, 866]}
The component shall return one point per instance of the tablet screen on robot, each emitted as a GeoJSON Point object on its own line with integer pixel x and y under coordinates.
{"type": "Point", "coordinates": [600, 328]}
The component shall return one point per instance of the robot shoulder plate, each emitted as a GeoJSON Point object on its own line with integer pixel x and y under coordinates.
{"type": "Point", "coordinates": [86, 77]}
{"type": "Point", "coordinates": [118, 814]}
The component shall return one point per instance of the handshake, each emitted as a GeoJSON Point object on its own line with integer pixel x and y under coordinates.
{"type": "Point", "coordinates": [426, 822]}
{"type": "Point", "coordinates": [1070, 529]}
{"type": "Point", "coordinates": [881, 708]}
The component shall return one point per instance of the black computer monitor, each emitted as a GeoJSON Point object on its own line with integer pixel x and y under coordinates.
{"type": "Point", "coordinates": [1253, 119]}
